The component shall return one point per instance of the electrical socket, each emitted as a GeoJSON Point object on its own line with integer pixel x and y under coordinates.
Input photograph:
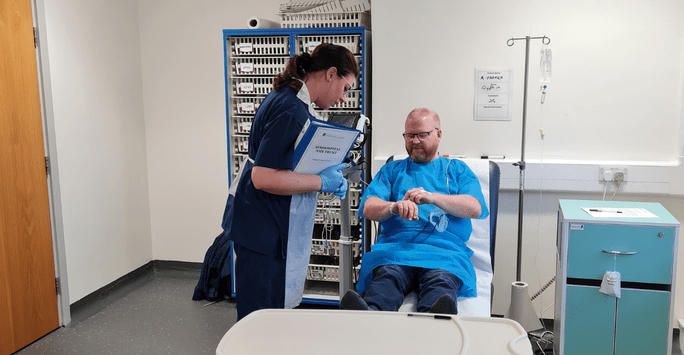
{"type": "Point", "coordinates": [613, 173]}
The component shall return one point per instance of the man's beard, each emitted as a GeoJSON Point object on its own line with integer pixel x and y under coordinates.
{"type": "Point", "coordinates": [424, 156]}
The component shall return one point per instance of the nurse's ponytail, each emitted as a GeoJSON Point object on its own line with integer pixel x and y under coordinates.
{"type": "Point", "coordinates": [323, 57]}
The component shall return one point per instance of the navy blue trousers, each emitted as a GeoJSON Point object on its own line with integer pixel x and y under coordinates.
{"type": "Point", "coordinates": [259, 281]}
{"type": "Point", "coordinates": [390, 283]}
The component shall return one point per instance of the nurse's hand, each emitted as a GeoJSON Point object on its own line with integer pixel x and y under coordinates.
{"type": "Point", "coordinates": [333, 181]}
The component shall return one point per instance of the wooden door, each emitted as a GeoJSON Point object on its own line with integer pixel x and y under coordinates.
{"type": "Point", "coordinates": [28, 300]}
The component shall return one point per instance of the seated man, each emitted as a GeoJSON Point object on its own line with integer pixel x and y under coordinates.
{"type": "Point", "coordinates": [424, 204]}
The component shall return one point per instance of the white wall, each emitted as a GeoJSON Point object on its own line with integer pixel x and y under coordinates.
{"type": "Point", "coordinates": [98, 117]}
{"type": "Point", "coordinates": [185, 116]}
{"type": "Point", "coordinates": [615, 93]}
{"type": "Point", "coordinates": [138, 108]}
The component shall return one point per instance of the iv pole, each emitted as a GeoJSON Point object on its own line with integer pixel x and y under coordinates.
{"type": "Point", "coordinates": [521, 163]}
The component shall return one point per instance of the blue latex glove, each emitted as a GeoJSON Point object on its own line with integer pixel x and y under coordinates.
{"type": "Point", "coordinates": [333, 181]}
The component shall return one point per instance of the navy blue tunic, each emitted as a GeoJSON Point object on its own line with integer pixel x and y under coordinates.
{"type": "Point", "coordinates": [255, 219]}
{"type": "Point", "coordinates": [261, 219]}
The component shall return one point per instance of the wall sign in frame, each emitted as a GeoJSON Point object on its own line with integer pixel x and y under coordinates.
{"type": "Point", "coordinates": [492, 99]}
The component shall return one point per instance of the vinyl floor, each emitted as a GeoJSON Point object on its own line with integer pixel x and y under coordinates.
{"type": "Point", "coordinates": [152, 314]}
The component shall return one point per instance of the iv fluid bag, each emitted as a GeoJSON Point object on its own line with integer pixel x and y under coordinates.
{"type": "Point", "coordinates": [545, 65]}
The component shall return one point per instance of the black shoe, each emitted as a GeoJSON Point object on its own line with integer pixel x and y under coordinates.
{"type": "Point", "coordinates": [444, 305]}
{"type": "Point", "coordinates": [353, 301]}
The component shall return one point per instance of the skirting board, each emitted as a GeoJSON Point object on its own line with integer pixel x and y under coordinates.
{"type": "Point", "coordinates": [99, 299]}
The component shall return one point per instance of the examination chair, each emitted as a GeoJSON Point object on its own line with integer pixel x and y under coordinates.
{"type": "Point", "coordinates": [472, 331]}
{"type": "Point", "coordinates": [482, 241]}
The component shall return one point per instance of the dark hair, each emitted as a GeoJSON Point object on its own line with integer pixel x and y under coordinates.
{"type": "Point", "coordinates": [325, 56]}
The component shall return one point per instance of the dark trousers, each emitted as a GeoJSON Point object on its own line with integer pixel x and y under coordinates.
{"type": "Point", "coordinates": [390, 283]}
{"type": "Point", "coordinates": [259, 281]}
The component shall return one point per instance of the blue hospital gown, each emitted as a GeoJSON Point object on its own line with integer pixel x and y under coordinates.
{"type": "Point", "coordinates": [437, 240]}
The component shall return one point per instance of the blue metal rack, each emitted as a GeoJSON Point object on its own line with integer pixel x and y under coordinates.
{"type": "Point", "coordinates": [237, 141]}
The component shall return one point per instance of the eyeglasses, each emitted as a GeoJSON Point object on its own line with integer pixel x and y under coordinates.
{"type": "Point", "coordinates": [350, 86]}
{"type": "Point", "coordinates": [421, 135]}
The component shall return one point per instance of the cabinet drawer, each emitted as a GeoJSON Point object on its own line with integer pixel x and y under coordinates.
{"type": "Point", "coordinates": [651, 263]}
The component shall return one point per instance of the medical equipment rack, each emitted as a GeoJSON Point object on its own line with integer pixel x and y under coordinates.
{"type": "Point", "coordinates": [638, 240]}
{"type": "Point", "coordinates": [252, 58]}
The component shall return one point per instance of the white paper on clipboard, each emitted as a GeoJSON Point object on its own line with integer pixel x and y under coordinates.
{"type": "Point", "coordinates": [618, 212]}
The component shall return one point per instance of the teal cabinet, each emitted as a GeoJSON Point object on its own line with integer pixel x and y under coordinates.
{"type": "Point", "coordinates": [638, 240]}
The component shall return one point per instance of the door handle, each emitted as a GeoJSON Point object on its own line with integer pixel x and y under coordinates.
{"type": "Point", "coordinates": [614, 252]}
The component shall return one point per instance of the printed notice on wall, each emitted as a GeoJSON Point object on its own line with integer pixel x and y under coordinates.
{"type": "Point", "coordinates": [492, 99]}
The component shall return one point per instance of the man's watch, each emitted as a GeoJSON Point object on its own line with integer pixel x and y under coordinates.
{"type": "Point", "coordinates": [391, 208]}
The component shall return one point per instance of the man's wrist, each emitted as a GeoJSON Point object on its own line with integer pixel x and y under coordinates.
{"type": "Point", "coordinates": [391, 209]}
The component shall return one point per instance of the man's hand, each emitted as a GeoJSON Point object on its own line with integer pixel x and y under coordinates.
{"type": "Point", "coordinates": [419, 196]}
{"type": "Point", "coordinates": [407, 208]}
{"type": "Point", "coordinates": [462, 206]}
